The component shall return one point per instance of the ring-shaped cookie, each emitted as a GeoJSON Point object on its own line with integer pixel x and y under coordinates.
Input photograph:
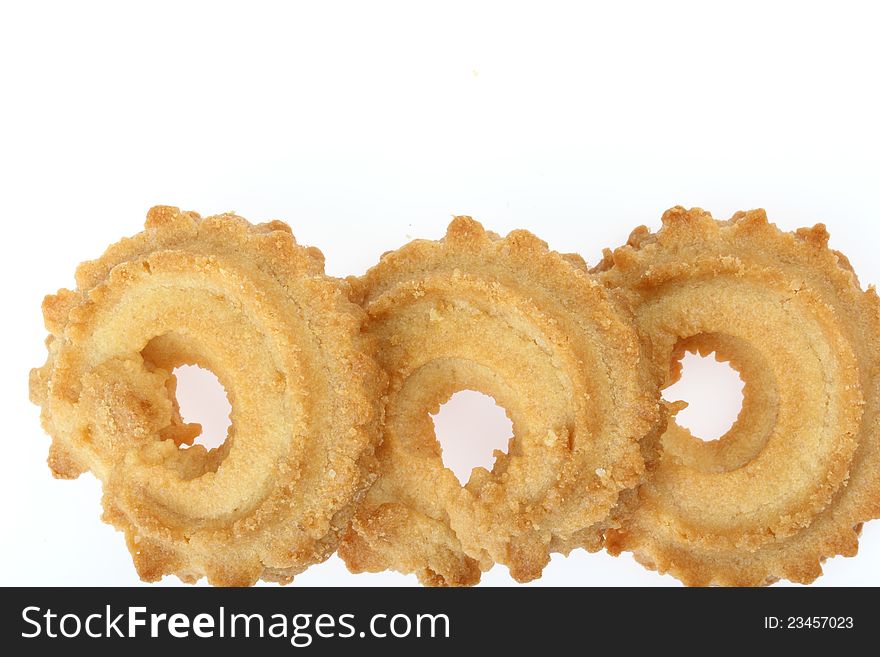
{"type": "Point", "coordinates": [532, 329]}
{"type": "Point", "coordinates": [791, 482]}
{"type": "Point", "coordinates": [248, 303]}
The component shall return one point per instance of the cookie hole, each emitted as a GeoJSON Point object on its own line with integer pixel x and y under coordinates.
{"type": "Point", "coordinates": [469, 428]}
{"type": "Point", "coordinates": [202, 399]}
{"type": "Point", "coordinates": [713, 392]}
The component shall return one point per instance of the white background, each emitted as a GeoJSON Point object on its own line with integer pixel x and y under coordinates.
{"type": "Point", "coordinates": [367, 124]}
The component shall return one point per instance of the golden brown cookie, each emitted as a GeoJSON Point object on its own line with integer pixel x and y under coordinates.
{"type": "Point", "coordinates": [248, 303]}
{"type": "Point", "coordinates": [795, 477]}
{"type": "Point", "coordinates": [532, 329]}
